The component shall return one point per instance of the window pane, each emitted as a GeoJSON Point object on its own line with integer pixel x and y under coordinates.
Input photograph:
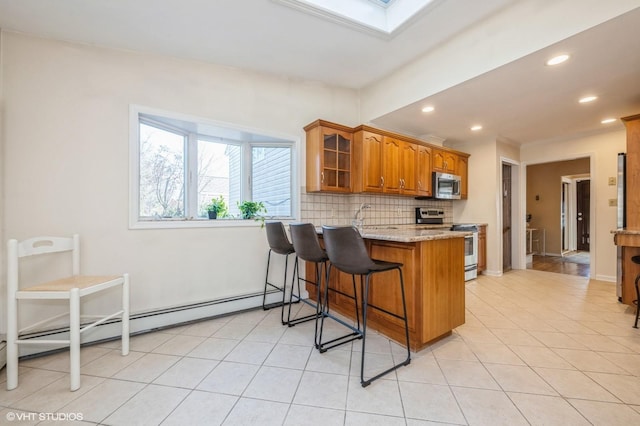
{"type": "Point", "coordinates": [161, 173]}
{"type": "Point", "coordinates": [218, 174]}
{"type": "Point", "coordinates": [271, 184]}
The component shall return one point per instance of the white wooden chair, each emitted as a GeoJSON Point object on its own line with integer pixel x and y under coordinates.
{"type": "Point", "coordinates": [72, 288]}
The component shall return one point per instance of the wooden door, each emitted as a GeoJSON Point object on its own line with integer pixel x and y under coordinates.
{"type": "Point", "coordinates": [391, 165]}
{"type": "Point", "coordinates": [372, 162]}
{"type": "Point", "coordinates": [409, 168]}
{"type": "Point", "coordinates": [424, 170]}
{"type": "Point", "coordinates": [506, 217]}
{"type": "Point", "coordinates": [582, 211]}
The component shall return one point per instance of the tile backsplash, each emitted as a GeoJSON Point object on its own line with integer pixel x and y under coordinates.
{"type": "Point", "coordinates": [339, 209]}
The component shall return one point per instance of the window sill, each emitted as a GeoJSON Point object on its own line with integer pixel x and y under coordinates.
{"type": "Point", "coordinates": [200, 223]}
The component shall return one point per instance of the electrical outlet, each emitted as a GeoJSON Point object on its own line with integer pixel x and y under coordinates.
{"type": "Point", "coordinates": [612, 181]}
{"type": "Point", "coordinates": [613, 202]}
{"type": "Point", "coordinates": [399, 212]}
{"type": "Point", "coordinates": [333, 213]}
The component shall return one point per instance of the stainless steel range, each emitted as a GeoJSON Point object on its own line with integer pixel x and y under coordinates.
{"type": "Point", "coordinates": [470, 250]}
{"type": "Point", "coordinates": [429, 216]}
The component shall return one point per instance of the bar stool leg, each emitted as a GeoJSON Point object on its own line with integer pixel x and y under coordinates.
{"type": "Point", "coordinates": [637, 301]}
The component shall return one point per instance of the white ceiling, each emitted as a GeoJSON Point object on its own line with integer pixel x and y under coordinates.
{"type": "Point", "coordinates": [522, 101]}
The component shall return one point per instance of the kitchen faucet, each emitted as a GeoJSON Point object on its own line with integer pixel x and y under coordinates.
{"type": "Point", "coordinates": [359, 211]}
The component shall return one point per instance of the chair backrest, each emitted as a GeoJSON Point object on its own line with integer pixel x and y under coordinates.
{"type": "Point", "coordinates": [277, 238]}
{"type": "Point", "coordinates": [306, 243]}
{"type": "Point", "coordinates": [36, 246]}
{"type": "Point", "coordinates": [346, 249]}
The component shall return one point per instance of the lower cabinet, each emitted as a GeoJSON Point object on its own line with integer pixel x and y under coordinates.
{"type": "Point", "coordinates": [433, 273]}
{"type": "Point", "coordinates": [482, 248]}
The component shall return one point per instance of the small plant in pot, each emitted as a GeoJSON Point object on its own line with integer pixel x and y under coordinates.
{"type": "Point", "coordinates": [251, 210]}
{"type": "Point", "coordinates": [217, 208]}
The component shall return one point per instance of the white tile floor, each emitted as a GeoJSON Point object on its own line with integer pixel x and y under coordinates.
{"type": "Point", "coordinates": [537, 348]}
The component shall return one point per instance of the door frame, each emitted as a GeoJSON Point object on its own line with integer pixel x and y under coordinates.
{"type": "Point", "coordinates": [592, 205]}
{"type": "Point", "coordinates": [518, 201]}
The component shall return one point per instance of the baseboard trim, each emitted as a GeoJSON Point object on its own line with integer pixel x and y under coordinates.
{"type": "Point", "coordinates": [147, 322]}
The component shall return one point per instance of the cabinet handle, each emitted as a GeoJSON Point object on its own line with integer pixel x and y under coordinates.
{"type": "Point", "coordinates": [420, 184]}
{"type": "Point", "coordinates": [321, 177]}
{"type": "Point", "coordinates": [381, 181]}
{"type": "Point", "coordinates": [401, 183]}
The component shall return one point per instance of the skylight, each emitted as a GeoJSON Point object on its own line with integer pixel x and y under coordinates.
{"type": "Point", "coordinates": [383, 17]}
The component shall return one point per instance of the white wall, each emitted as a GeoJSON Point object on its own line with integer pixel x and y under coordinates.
{"type": "Point", "coordinates": [481, 206]}
{"type": "Point", "coordinates": [521, 29]}
{"type": "Point", "coordinates": [603, 150]}
{"type": "Point", "coordinates": [66, 146]}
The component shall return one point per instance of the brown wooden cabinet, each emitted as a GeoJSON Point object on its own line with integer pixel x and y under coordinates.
{"type": "Point", "coordinates": [391, 152]}
{"type": "Point", "coordinates": [408, 168]}
{"type": "Point", "coordinates": [424, 171]}
{"type": "Point", "coordinates": [433, 273]}
{"type": "Point", "coordinates": [369, 160]}
{"type": "Point", "coordinates": [366, 159]}
{"type": "Point", "coordinates": [482, 248]}
{"type": "Point", "coordinates": [463, 171]}
{"type": "Point", "coordinates": [444, 161]}
{"type": "Point", "coordinates": [329, 157]}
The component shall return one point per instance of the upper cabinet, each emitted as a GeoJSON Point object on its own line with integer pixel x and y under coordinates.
{"type": "Point", "coordinates": [366, 159]}
{"type": "Point", "coordinates": [462, 170]}
{"type": "Point", "coordinates": [424, 171]}
{"type": "Point", "coordinates": [329, 157]}
{"type": "Point", "coordinates": [444, 161]}
{"type": "Point", "coordinates": [369, 150]}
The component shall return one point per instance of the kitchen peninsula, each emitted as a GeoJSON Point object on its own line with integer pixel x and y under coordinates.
{"type": "Point", "coordinates": [433, 270]}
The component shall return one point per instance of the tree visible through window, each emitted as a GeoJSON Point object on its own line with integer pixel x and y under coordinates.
{"type": "Point", "coordinates": [180, 170]}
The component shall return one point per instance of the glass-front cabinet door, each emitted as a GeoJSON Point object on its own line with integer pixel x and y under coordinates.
{"type": "Point", "coordinates": [329, 157]}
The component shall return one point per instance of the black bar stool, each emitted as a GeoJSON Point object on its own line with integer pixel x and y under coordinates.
{"type": "Point", "coordinates": [279, 244]}
{"type": "Point", "coordinates": [348, 253]}
{"type": "Point", "coordinates": [305, 242]}
{"type": "Point", "coordinates": [636, 260]}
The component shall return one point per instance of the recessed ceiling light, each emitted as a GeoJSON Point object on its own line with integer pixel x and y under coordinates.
{"type": "Point", "coordinates": [558, 59]}
{"type": "Point", "coordinates": [476, 127]}
{"type": "Point", "coordinates": [587, 99]}
{"type": "Point", "coordinates": [608, 120]}
{"type": "Point", "coordinates": [428, 109]}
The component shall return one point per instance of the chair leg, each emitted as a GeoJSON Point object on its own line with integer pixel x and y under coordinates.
{"type": "Point", "coordinates": [365, 305]}
{"type": "Point", "coordinates": [637, 301]}
{"type": "Point", "coordinates": [74, 338]}
{"type": "Point", "coordinates": [284, 289]}
{"type": "Point", "coordinates": [125, 315]}
{"type": "Point", "coordinates": [12, 345]}
{"type": "Point", "coordinates": [356, 333]}
{"type": "Point", "coordinates": [407, 361]}
{"type": "Point", "coordinates": [266, 282]}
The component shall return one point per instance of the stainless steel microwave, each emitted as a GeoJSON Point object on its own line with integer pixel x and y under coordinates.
{"type": "Point", "coordinates": [446, 186]}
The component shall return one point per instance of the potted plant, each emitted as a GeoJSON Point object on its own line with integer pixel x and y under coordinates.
{"type": "Point", "coordinates": [251, 209]}
{"type": "Point", "coordinates": [217, 207]}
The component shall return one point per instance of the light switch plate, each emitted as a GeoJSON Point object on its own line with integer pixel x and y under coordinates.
{"type": "Point", "coordinates": [612, 181]}
{"type": "Point", "coordinates": [613, 202]}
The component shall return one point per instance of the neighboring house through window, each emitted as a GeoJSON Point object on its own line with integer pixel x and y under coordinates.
{"type": "Point", "coordinates": [179, 164]}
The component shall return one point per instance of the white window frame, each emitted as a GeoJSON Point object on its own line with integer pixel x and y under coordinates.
{"type": "Point", "coordinates": [195, 222]}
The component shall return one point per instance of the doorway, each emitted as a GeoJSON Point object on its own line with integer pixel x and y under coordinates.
{"type": "Point", "coordinates": [506, 217]}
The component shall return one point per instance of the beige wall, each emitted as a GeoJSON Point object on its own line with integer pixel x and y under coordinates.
{"type": "Point", "coordinates": [544, 196]}
{"type": "Point", "coordinates": [602, 149]}
{"type": "Point", "coordinates": [66, 159]}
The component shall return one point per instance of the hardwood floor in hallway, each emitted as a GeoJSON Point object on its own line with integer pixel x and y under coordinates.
{"type": "Point", "coordinates": [570, 265]}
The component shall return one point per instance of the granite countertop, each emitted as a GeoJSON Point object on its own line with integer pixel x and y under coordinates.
{"type": "Point", "coordinates": [625, 231]}
{"type": "Point", "coordinates": [408, 233]}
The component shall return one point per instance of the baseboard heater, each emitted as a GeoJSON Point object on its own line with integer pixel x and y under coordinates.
{"type": "Point", "coordinates": [155, 320]}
